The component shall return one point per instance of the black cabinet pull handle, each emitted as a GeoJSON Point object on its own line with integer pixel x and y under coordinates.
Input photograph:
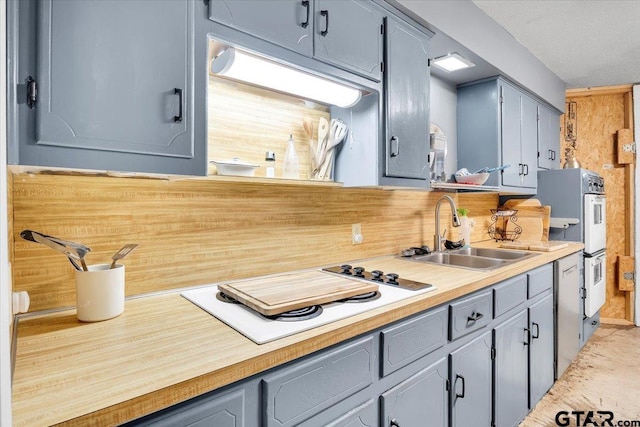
{"type": "Point", "coordinates": [520, 169]}
{"type": "Point", "coordinates": [550, 155]}
{"type": "Point", "coordinates": [305, 4]}
{"type": "Point", "coordinates": [394, 423]}
{"type": "Point", "coordinates": [178, 118]}
{"type": "Point", "coordinates": [528, 340]}
{"type": "Point", "coordinates": [460, 395]}
{"type": "Point", "coordinates": [553, 155]}
{"type": "Point", "coordinates": [395, 147]}
{"type": "Point", "coordinates": [526, 168]}
{"type": "Point", "coordinates": [537, 330]}
{"type": "Point", "coordinates": [475, 316]}
{"type": "Point", "coordinates": [325, 13]}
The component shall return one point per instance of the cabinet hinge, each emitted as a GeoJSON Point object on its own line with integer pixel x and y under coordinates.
{"type": "Point", "coordinates": [493, 353]}
{"type": "Point", "coordinates": [447, 384]}
{"type": "Point", "coordinates": [32, 92]}
{"type": "Point", "coordinates": [629, 275]}
{"type": "Point", "coordinates": [583, 293]}
{"type": "Point", "coordinates": [382, 67]}
{"type": "Point", "coordinates": [382, 28]}
{"type": "Point", "coordinates": [629, 148]}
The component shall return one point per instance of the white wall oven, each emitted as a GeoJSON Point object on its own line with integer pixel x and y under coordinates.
{"type": "Point", "coordinates": [578, 194]}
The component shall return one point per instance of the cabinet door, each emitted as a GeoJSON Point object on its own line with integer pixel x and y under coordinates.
{"type": "Point", "coordinates": [471, 383]}
{"type": "Point", "coordinates": [529, 141]}
{"type": "Point", "coordinates": [510, 110]}
{"type": "Point", "coordinates": [226, 410]}
{"type": "Point", "coordinates": [548, 138]}
{"type": "Point", "coordinates": [348, 34]}
{"type": "Point", "coordinates": [407, 101]}
{"type": "Point", "coordinates": [418, 399]}
{"type": "Point", "coordinates": [116, 76]}
{"type": "Point", "coordinates": [511, 385]}
{"type": "Point", "coordinates": [287, 23]}
{"type": "Point", "coordinates": [541, 351]}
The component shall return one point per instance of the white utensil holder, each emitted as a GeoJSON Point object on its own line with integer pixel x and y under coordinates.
{"type": "Point", "coordinates": [100, 292]}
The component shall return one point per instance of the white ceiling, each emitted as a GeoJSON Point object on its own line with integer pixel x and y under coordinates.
{"type": "Point", "coordinates": [587, 43]}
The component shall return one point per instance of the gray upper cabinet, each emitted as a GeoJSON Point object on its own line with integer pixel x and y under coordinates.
{"type": "Point", "coordinates": [287, 23]}
{"type": "Point", "coordinates": [407, 101]}
{"type": "Point", "coordinates": [348, 34]}
{"type": "Point", "coordinates": [115, 85]}
{"type": "Point", "coordinates": [498, 124]}
{"type": "Point", "coordinates": [125, 90]}
{"type": "Point", "coordinates": [548, 138]}
{"type": "Point", "coordinates": [345, 33]}
{"type": "Point", "coordinates": [420, 398]}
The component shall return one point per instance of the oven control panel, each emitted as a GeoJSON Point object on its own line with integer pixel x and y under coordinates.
{"type": "Point", "coordinates": [377, 276]}
{"type": "Point", "coordinates": [592, 183]}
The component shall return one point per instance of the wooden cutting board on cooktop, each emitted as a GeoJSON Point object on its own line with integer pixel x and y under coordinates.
{"type": "Point", "coordinates": [278, 294]}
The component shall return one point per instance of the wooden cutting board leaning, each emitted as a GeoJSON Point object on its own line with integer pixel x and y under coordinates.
{"type": "Point", "coordinates": [278, 294]}
{"type": "Point", "coordinates": [532, 217]}
{"type": "Point", "coordinates": [534, 220]}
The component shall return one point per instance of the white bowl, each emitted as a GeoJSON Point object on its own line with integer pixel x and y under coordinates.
{"type": "Point", "coordinates": [235, 167]}
{"type": "Point", "coordinates": [474, 178]}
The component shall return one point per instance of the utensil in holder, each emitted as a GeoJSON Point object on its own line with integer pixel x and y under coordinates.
{"type": "Point", "coordinates": [499, 228]}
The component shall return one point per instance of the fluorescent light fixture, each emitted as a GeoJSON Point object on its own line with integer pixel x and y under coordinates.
{"type": "Point", "coordinates": [238, 65]}
{"type": "Point", "coordinates": [452, 62]}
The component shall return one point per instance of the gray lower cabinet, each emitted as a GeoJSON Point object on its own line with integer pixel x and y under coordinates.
{"type": "Point", "coordinates": [541, 349]}
{"type": "Point", "coordinates": [470, 379]}
{"type": "Point", "coordinates": [342, 33]}
{"type": "Point", "coordinates": [298, 392]}
{"type": "Point", "coordinates": [406, 101]}
{"type": "Point", "coordinates": [237, 407]}
{"type": "Point", "coordinates": [105, 99]}
{"type": "Point", "coordinates": [418, 401]}
{"type": "Point", "coordinates": [511, 381]}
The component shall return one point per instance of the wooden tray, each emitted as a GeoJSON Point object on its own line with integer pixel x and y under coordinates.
{"type": "Point", "coordinates": [275, 295]}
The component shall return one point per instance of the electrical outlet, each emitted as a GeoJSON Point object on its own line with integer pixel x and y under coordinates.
{"type": "Point", "coordinates": [356, 234]}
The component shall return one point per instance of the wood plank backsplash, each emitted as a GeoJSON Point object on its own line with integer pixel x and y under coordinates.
{"type": "Point", "coordinates": [199, 231]}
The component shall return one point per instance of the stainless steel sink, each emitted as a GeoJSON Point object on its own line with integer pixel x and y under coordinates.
{"type": "Point", "coordinates": [493, 253]}
{"type": "Point", "coordinates": [474, 258]}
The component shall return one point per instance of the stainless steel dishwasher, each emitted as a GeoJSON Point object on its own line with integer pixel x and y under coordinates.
{"type": "Point", "coordinates": [567, 300]}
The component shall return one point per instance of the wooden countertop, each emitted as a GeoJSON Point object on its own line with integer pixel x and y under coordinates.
{"type": "Point", "coordinates": [163, 349]}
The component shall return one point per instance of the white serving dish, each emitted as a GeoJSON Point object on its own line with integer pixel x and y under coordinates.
{"type": "Point", "coordinates": [235, 167]}
{"type": "Point", "coordinates": [474, 178]}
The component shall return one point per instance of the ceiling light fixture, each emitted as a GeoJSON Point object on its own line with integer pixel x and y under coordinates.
{"type": "Point", "coordinates": [239, 65]}
{"type": "Point", "coordinates": [452, 62]}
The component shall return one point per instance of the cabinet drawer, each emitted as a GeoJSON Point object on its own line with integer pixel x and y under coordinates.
{"type": "Point", "coordinates": [509, 294]}
{"type": "Point", "coordinates": [297, 392]}
{"type": "Point", "coordinates": [469, 314]}
{"type": "Point", "coordinates": [540, 280]}
{"type": "Point", "coordinates": [408, 341]}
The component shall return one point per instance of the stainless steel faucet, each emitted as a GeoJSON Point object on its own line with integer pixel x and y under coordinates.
{"type": "Point", "coordinates": [438, 239]}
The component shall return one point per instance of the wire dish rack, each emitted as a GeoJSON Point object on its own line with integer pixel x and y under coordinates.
{"type": "Point", "coordinates": [504, 225]}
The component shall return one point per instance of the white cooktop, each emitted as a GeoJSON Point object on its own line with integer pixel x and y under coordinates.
{"type": "Point", "coordinates": [261, 329]}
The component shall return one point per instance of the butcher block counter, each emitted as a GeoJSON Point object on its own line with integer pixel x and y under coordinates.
{"type": "Point", "coordinates": [164, 350]}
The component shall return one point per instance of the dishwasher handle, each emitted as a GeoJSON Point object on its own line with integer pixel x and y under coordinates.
{"type": "Point", "coordinates": [569, 270]}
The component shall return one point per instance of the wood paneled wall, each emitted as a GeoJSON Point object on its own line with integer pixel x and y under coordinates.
{"type": "Point", "coordinates": [600, 113]}
{"type": "Point", "coordinates": [199, 231]}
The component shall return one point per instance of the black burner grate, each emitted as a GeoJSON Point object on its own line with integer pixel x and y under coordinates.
{"type": "Point", "coordinates": [297, 315]}
{"type": "Point", "coordinates": [369, 296]}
